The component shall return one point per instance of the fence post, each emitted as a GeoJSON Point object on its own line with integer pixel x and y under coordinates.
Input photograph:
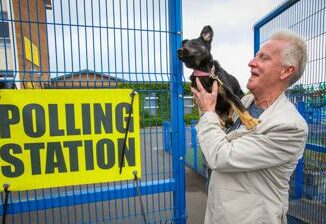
{"type": "Point", "coordinates": [177, 112]}
{"type": "Point", "coordinates": [299, 179]}
{"type": "Point", "coordinates": [300, 166]}
{"type": "Point", "coordinates": [194, 143]}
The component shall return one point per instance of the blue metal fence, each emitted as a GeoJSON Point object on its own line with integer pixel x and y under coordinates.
{"type": "Point", "coordinates": [308, 184]}
{"type": "Point", "coordinates": [102, 44]}
{"type": "Point", "coordinates": [194, 158]}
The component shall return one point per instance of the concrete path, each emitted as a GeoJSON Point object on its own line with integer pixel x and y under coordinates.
{"type": "Point", "coordinates": [196, 197]}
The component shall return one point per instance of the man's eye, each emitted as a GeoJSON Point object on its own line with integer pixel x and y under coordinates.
{"type": "Point", "coordinates": [263, 57]}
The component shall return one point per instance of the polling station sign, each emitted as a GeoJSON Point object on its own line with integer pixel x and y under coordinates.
{"type": "Point", "coordinates": [51, 138]}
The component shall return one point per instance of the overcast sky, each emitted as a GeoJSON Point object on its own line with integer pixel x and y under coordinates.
{"type": "Point", "coordinates": [95, 45]}
{"type": "Point", "coordinates": [232, 22]}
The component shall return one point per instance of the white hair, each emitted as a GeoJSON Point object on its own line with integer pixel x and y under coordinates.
{"type": "Point", "coordinates": [295, 54]}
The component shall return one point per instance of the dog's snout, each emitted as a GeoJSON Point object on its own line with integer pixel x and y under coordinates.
{"type": "Point", "coordinates": [182, 52]}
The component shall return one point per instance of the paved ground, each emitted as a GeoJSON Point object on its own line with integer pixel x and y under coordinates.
{"type": "Point", "coordinates": [196, 197]}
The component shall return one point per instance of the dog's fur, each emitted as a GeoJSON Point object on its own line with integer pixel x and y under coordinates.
{"type": "Point", "coordinates": [195, 54]}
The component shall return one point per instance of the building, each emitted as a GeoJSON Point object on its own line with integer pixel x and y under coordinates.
{"type": "Point", "coordinates": [85, 79]}
{"type": "Point", "coordinates": [91, 79]}
{"type": "Point", "coordinates": [23, 42]}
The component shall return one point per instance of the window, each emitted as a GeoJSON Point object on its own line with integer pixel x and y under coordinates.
{"type": "Point", "coordinates": [150, 105]}
{"type": "Point", "coordinates": [4, 28]}
{"type": "Point", "coordinates": [4, 25]}
{"type": "Point", "coordinates": [188, 103]}
{"type": "Point", "coordinates": [6, 62]}
{"type": "Point", "coordinates": [7, 80]}
{"type": "Point", "coordinates": [7, 84]}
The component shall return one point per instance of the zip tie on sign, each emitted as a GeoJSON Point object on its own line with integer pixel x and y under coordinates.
{"type": "Point", "coordinates": [121, 163]}
{"type": "Point", "coordinates": [5, 205]}
{"type": "Point", "coordinates": [136, 181]}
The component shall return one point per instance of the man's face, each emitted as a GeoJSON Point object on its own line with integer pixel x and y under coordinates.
{"type": "Point", "coordinates": [266, 67]}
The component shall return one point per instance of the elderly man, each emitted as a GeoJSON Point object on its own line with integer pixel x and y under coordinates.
{"type": "Point", "coordinates": [251, 169]}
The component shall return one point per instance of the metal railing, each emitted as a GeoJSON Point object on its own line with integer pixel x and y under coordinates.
{"type": "Point", "coordinates": [54, 44]}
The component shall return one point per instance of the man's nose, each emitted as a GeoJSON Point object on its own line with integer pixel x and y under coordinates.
{"type": "Point", "coordinates": [252, 63]}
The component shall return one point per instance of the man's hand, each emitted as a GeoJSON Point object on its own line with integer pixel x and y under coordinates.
{"type": "Point", "coordinates": [205, 101]}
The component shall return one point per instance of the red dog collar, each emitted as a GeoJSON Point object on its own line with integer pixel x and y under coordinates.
{"type": "Point", "coordinates": [199, 73]}
{"type": "Point", "coordinates": [211, 73]}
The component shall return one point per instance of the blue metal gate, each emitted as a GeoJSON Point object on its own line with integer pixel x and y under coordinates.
{"type": "Point", "coordinates": [102, 44]}
{"type": "Point", "coordinates": [308, 186]}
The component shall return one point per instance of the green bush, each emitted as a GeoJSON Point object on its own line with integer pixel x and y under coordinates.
{"type": "Point", "coordinates": [189, 117]}
{"type": "Point", "coordinates": [163, 93]}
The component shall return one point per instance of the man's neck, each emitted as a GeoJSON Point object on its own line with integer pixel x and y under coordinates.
{"type": "Point", "coordinates": [266, 100]}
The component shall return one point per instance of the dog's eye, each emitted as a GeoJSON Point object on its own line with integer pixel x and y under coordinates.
{"type": "Point", "coordinates": [194, 44]}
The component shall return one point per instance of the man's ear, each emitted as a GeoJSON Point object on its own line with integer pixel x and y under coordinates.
{"type": "Point", "coordinates": [183, 42]}
{"type": "Point", "coordinates": [287, 72]}
{"type": "Point", "coordinates": [207, 34]}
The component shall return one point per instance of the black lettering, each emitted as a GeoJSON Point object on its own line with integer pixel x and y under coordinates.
{"type": "Point", "coordinates": [54, 121]}
{"type": "Point", "coordinates": [86, 119]}
{"type": "Point", "coordinates": [6, 120]}
{"type": "Point", "coordinates": [102, 118]}
{"type": "Point", "coordinates": [129, 151]}
{"type": "Point", "coordinates": [55, 158]}
{"type": "Point", "coordinates": [105, 153]}
{"type": "Point", "coordinates": [120, 120]}
{"type": "Point", "coordinates": [39, 118]}
{"type": "Point", "coordinates": [17, 166]}
{"type": "Point", "coordinates": [73, 153]}
{"type": "Point", "coordinates": [89, 156]}
{"type": "Point", "coordinates": [71, 121]}
{"type": "Point", "coordinates": [35, 156]}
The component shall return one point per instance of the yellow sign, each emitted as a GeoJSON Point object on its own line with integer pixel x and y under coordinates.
{"type": "Point", "coordinates": [31, 51]}
{"type": "Point", "coordinates": [51, 138]}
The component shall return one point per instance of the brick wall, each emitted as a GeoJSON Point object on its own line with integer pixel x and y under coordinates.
{"type": "Point", "coordinates": [34, 12]}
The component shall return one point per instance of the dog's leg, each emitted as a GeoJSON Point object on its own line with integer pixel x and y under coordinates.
{"type": "Point", "coordinates": [245, 117]}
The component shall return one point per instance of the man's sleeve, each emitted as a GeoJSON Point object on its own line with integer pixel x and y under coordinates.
{"type": "Point", "coordinates": [251, 151]}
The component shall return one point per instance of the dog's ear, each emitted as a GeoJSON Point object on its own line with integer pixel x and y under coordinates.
{"type": "Point", "coordinates": [207, 34]}
{"type": "Point", "coordinates": [183, 42]}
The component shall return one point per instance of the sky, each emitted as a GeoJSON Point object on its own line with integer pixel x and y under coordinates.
{"type": "Point", "coordinates": [232, 22]}
{"type": "Point", "coordinates": [94, 45]}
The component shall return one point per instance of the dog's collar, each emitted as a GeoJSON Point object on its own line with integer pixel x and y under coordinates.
{"type": "Point", "coordinates": [199, 73]}
{"type": "Point", "coordinates": [211, 74]}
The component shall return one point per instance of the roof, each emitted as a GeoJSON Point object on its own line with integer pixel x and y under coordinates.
{"type": "Point", "coordinates": [87, 71]}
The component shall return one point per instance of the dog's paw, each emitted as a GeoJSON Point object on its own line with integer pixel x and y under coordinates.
{"type": "Point", "coordinates": [250, 122]}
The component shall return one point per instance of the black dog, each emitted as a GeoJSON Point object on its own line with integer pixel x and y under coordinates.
{"type": "Point", "coordinates": [195, 53]}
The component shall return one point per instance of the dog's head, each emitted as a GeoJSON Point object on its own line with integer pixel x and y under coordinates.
{"type": "Point", "coordinates": [195, 53]}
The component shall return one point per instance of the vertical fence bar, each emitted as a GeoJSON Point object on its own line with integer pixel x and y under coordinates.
{"type": "Point", "coordinates": [178, 146]}
{"type": "Point", "coordinates": [299, 179]}
{"type": "Point", "coordinates": [194, 144]}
